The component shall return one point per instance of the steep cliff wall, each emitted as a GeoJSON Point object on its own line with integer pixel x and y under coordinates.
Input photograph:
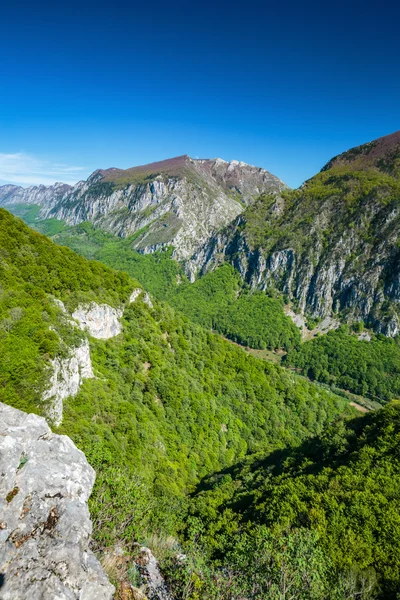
{"type": "Point", "coordinates": [67, 373]}
{"type": "Point", "coordinates": [331, 246]}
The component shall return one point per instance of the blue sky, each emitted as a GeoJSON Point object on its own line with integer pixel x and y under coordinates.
{"type": "Point", "coordinates": [282, 85]}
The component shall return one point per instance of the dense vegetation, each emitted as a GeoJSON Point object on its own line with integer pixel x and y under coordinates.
{"type": "Point", "coordinates": [367, 368]}
{"type": "Point", "coordinates": [33, 270]}
{"type": "Point", "coordinates": [171, 403]}
{"type": "Point", "coordinates": [322, 517]}
{"type": "Point", "coordinates": [276, 513]}
{"type": "Point", "coordinates": [218, 301]}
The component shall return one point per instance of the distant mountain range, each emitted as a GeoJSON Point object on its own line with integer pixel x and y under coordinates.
{"type": "Point", "coordinates": [180, 201]}
{"type": "Point", "coordinates": [331, 246]}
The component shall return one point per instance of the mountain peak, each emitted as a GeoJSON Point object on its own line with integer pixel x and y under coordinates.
{"type": "Point", "coordinates": [169, 166]}
{"type": "Point", "coordinates": [382, 154]}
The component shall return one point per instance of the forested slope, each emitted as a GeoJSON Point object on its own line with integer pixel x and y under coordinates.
{"type": "Point", "coordinates": [170, 402]}
{"type": "Point", "coordinates": [324, 515]}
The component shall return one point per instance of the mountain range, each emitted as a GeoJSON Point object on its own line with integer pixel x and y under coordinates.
{"type": "Point", "coordinates": [248, 465]}
{"type": "Point", "coordinates": [179, 201]}
{"type": "Point", "coordinates": [330, 246]}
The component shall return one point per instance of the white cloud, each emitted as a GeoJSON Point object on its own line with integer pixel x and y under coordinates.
{"type": "Point", "coordinates": [25, 169]}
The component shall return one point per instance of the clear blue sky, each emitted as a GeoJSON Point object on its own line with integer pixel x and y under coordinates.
{"type": "Point", "coordinates": [282, 85]}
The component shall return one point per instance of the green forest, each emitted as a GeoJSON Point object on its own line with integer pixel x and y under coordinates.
{"type": "Point", "coordinates": [369, 368]}
{"type": "Point", "coordinates": [261, 478]}
{"type": "Point", "coordinates": [322, 518]}
{"type": "Point", "coordinates": [222, 302]}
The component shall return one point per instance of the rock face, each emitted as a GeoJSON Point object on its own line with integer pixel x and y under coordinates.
{"type": "Point", "coordinates": [66, 379]}
{"type": "Point", "coordinates": [156, 588]}
{"type": "Point", "coordinates": [331, 246]}
{"type": "Point", "coordinates": [101, 321]}
{"type": "Point", "coordinates": [38, 194]}
{"type": "Point", "coordinates": [179, 202]}
{"type": "Point", "coordinates": [45, 523]}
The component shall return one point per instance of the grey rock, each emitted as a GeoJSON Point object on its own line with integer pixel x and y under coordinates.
{"type": "Point", "coordinates": [66, 378]}
{"type": "Point", "coordinates": [182, 202]}
{"type": "Point", "coordinates": [101, 321]}
{"type": "Point", "coordinates": [155, 585]}
{"type": "Point", "coordinates": [334, 269]}
{"type": "Point", "coordinates": [45, 523]}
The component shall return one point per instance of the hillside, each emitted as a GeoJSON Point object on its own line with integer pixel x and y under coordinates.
{"type": "Point", "coordinates": [323, 517]}
{"type": "Point", "coordinates": [331, 246]}
{"type": "Point", "coordinates": [179, 202]}
{"type": "Point", "coordinates": [165, 404]}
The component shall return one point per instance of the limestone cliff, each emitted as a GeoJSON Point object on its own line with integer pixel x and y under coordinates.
{"type": "Point", "coordinates": [67, 373]}
{"type": "Point", "coordinates": [99, 320]}
{"type": "Point", "coordinates": [45, 524]}
{"type": "Point", "coordinates": [179, 202]}
{"type": "Point", "coordinates": [331, 246]}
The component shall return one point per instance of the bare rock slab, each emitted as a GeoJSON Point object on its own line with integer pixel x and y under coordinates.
{"type": "Point", "coordinates": [45, 526]}
{"type": "Point", "coordinates": [101, 321]}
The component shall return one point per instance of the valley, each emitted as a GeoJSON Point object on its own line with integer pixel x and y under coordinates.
{"type": "Point", "coordinates": [224, 351]}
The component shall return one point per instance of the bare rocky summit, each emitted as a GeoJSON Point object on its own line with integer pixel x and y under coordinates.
{"type": "Point", "coordinates": [45, 524]}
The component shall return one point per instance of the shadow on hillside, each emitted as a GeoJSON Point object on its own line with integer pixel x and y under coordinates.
{"type": "Point", "coordinates": [333, 448]}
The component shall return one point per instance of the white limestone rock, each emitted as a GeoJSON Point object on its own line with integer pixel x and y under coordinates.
{"type": "Point", "coordinates": [101, 321]}
{"type": "Point", "coordinates": [66, 379]}
{"type": "Point", "coordinates": [45, 523]}
{"type": "Point", "coordinates": [364, 337]}
{"type": "Point", "coordinates": [135, 295]}
{"type": "Point", "coordinates": [146, 297]}
{"type": "Point", "coordinates": [147, 300]}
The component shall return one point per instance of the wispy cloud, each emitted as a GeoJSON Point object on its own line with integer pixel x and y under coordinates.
{"type": "Point", "coordinates": [25, 169]}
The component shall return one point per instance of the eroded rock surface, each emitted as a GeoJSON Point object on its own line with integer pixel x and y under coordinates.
{"type": "Point", "coordinates": [155, 586]}
{"type": "Point", "coordinates": [66, 378]}
{"type": "Point", "coordinates": [45, 524]}
{"type": "Point", "coordinates": [101, 321]}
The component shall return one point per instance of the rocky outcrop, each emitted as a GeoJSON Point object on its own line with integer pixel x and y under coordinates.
{"type": "Point", "coordinates": [146, 297]}
{"type": "Point", "coordinates": [101, 321]}
{"type": "Point", "coordinates": [45, 523]}
{"type": "Point", "coordinates": [153, 580]}
{"type": "Point", "coordinates": [67, 375]}
{"type": "Point", "coordinates": [135, 295]}
{"type": "Point", "coordinates": [179, 202]}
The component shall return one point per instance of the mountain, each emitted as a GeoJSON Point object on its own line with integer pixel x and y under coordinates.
{"type": "Point", "coordinates": [241, 475]}
{"type": "Point", "coordinates": [155, 401]}
{"type": "Point", "coordinates": [332, 245]}
{"type": "Point", "coordinates": [180, 201]}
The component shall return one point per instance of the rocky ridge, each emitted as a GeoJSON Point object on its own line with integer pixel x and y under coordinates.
{"type": "Point", "coordinates": [332, 246]}
{"type": "Point", "coordinates": [45, 523]}
{"type": "Point", "coordinates": [179, 202]}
